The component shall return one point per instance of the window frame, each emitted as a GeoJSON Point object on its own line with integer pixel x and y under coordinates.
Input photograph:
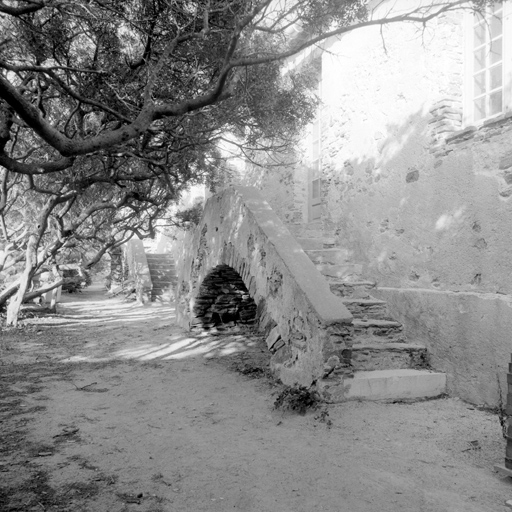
{"type": "Point", "coordinates": [469, 96]}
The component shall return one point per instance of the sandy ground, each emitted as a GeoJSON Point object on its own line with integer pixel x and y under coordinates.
{"type": "Point", "coordinates": [108, 406]}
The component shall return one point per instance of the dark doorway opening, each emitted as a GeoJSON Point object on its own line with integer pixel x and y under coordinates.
{"type": "Point", "coordinates": [223, 302]}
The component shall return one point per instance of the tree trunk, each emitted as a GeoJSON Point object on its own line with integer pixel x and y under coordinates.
{"type": "Point", "coordinates": [6, 294]}
{"type": "Point", "coordinates": [117, 269]}
{"type": "Point", "coordinates": [13, 310]}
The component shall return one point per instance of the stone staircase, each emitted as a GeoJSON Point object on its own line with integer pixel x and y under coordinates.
{"type": "Point", "coordinates": [384, 364]}
{"type": "Point", "coordinates": [163, 276]}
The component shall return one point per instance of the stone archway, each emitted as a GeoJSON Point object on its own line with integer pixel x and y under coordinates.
{"type": "Point", "coordinates": [304, 324]}
{"type": "Point", "coordinates": [223, 301]}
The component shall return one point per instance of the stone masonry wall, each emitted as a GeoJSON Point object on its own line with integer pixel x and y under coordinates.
{"type": "Point", "coordinates": [304, 322]}
{"type": "Point", "coordinates": [421, 202]}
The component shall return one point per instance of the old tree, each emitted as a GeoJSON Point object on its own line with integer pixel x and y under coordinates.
{"type": "Point", "coordinates": [110, 108]}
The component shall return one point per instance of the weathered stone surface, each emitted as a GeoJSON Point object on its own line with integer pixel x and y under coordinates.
{"type": "Point", "coordinates": [399, 384]}
{"type": "Point", "coordinates": [288, 291]}
{"type": "Point", "coordinates": [375, 129]}
{"type": "Point", "coordinates": [273, 338]}
{"type": "Point", "coordinates": [387, 356]}
{"type": "Point", "coordinates": [467, 336]}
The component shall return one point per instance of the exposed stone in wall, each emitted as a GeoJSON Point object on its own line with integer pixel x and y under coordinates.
{"type": "Point", "coordinates": [446, 119]}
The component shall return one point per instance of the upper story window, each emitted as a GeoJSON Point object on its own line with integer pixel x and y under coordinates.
{"type": "Point", "coordinates": [488, 64]}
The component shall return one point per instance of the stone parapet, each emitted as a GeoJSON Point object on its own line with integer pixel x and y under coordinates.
{"type": "Point", "coordinates": [304, 322]}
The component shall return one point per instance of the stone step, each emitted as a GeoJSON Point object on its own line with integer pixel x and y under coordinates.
{"type": "Point", "coordinates": [158, 255]}
{"type": "Point", "coordinates": [352, 288]}
{"type": "Point", "coordinates": [367, 308]}
{"type": "Point", "coordinates": [387, 356]}
{"type": "Point", "coordinates": [339, 271]}
{"type": "Point", "coordinates": [397, 384]}
{"type": "Point", "coordinates": [377, 328]}
{"type": "Point", "coordinates": [153, 264]}
{"type": "Point", "coordinates": [158, 274]}
{"type": "Point", "coordinates": [334, 256]}
{"type": "Point", "coordinates": [152, 261]}
{"type": "Point", "coordinates": [163, 286]}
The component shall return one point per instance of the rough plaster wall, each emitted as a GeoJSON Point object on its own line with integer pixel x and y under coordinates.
{"type": "Point", "coordinates": [431, 219]}
{"type": "Point", "coordinates": [377, 167]}
{"type": "Point", "coordinates": [465, 334]}
{"type": "Point", "coordinates": [411, 217]}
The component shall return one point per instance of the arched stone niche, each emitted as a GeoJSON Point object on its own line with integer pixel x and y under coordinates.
{"type": "Point", "coordinates": [223, 301]}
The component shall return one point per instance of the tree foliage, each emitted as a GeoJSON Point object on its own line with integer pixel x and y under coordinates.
{"type": "Point", "coordinates": [110, 108]}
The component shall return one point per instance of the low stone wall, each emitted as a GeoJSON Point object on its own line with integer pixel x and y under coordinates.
{"type": "Point", "coordinates": [304, 322]}
{"type": "Point", "coordinates": [468, 336]}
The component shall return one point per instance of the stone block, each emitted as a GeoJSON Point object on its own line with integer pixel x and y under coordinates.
{"type": "Point", "coordinates": [402, 384]}
{"type": "Point", "coordinates": [273, 337]}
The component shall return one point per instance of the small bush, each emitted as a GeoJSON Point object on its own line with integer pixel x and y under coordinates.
{"type": "Point", "coordinates": [298, 399]}
{"type": "Point", "coordinates": [189, 217]}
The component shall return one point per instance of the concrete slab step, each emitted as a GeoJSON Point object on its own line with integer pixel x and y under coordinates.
{"type": "Point", "coordinates": [397, 384]}
{"type": "Point", "coordinates": [388, 356]}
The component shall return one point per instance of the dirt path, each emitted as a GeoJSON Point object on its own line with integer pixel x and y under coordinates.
{"type": "Point", "coordinates": [110, 407]}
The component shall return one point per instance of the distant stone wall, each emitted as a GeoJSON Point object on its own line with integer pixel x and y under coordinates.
{"type": "Point", "coordinates": [304, 322]}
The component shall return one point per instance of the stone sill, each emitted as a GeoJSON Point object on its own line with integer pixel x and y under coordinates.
{"type": "Point", "coordinates": [470, 131]}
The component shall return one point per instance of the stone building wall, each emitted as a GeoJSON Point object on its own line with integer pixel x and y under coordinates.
{"type": "Point", "coordinates": [424, 205]}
